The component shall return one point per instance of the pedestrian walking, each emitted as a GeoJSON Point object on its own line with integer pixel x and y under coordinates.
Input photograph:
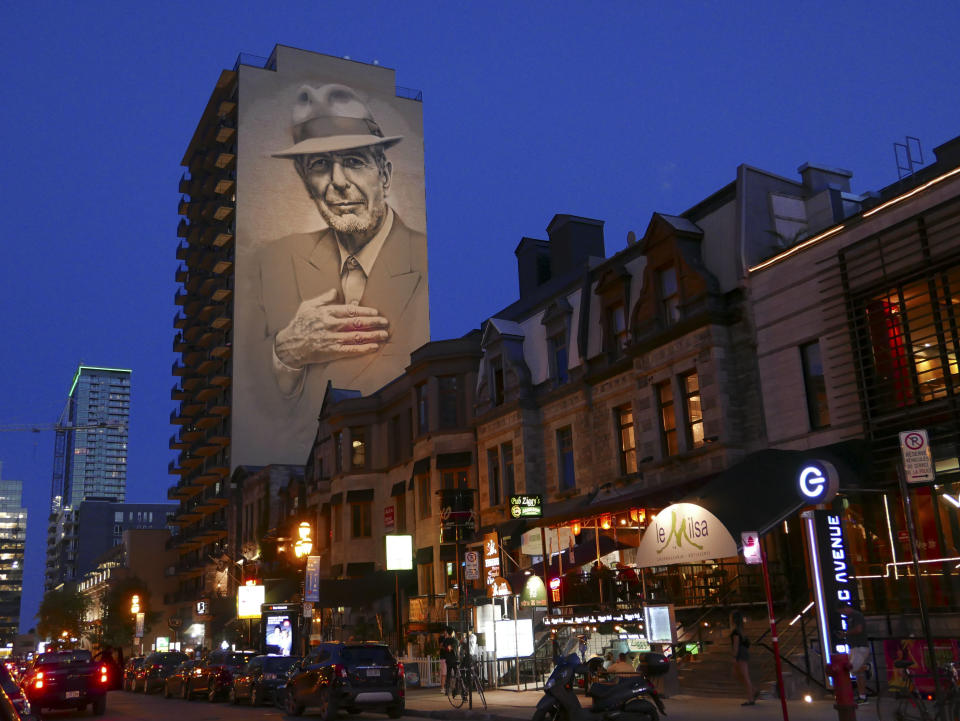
{"type": "Point", "coordinates": [740, 649]}
{"type": "Point", "coordinates": [449, 648]}
{"type": "Point", "coordinates": [856, 637]}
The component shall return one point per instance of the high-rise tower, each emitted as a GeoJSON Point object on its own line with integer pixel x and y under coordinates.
{"type": "Point", "coordinates": [13, 534]}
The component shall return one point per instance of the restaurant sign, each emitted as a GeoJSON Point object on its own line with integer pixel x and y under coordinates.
{"type": "Point", "coordinates": [684, 533]}
{"type": "Point", "coordinates": [526, 506]}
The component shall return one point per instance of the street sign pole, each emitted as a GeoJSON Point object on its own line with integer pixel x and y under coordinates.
{"type": "Point", "coordinates": [921, 601]}
{"type": "Point", "coordinates": [773, 634]}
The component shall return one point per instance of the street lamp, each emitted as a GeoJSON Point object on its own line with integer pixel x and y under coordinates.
{"type": "Point", "coordinates": [135, 604]}
{"type": "Point", "coordinates": [304, 543]}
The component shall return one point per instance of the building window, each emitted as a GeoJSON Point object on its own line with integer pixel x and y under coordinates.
{"type": "Point", "coordinates": [400, 512]}
{"type": "Point", "coordinates": [493, 475]}
{"type": "Point", "coordinates": [423, 416]}
{"type": "Point", "coordinates": [625, 439]}
{"type": "Point", "coordinates": [566, 479]}
{"type": "Point", "coordinates": [669, 295]}
{"type": "Point", "coordinates": [496, 381]}
{"type": "Point", "coordinates": [691, 405]}
{"type": "Point", "coordinates": [336, 513]}
{"type": "Point", "coordinates": [360, 526]}
{"type": "Point", "coordinates": [557, 349]}
{"type": "Point", "coordinates": [393, 440]}
{"type": "Point", "coordinates": [424, 497]}
{"type": "Point", "coordinates": [455, 478]}
{"type": "Point", "coordinates": [425, 573]}
{"type": "Point", "coordinates": [358, 447]}
{"type": "Point", "coordinates": [338, 452]}
{"type": "Point", "coordinates": [668, 418]}
{"type": "Point", "coordinates": [506, 460]}
{"type": "Point", "coordinates": [449, 389]}
{"type": "Point", "coordinates": [616, 339]}
{"type": "Point", "coordinates": [815, 385]}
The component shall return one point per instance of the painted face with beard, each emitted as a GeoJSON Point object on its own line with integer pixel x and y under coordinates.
{"type": "Point", "coordinates": [349, 188]}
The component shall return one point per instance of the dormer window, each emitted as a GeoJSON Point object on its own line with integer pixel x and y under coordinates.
{"type": "Point", "coordinates": [496, 381]}
{"type": "Point", "coordinates": [668, 295]}
{"type": "Point", "coordinates": [616, 339]}
{"type": "Point", "coordinates": [557, 348]}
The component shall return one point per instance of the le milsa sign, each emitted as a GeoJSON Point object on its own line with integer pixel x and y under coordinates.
{"type": "Point", "coordinates": [684, 533]}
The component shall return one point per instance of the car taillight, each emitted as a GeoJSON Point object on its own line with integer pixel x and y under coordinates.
{"type": "Point", "coordinates": [339, 671]}
{"type": "Point", "coordinates": [38, 681]}
{"type": "Point", "coordinates": [103, 674]}
{"type": "Point", "coordinates": [399, 669]}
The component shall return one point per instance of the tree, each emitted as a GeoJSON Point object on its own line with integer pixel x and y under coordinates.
{"type": "Point", "coordinates": [62, 609]}
{"type": "Point", "coordinates": [118, 623]}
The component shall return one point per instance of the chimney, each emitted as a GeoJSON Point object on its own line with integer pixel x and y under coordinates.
{"type": "Point", "coordinates": [533, 264]}
{"type": "Point", "coordinates": [573, 239]}
{"type": "Point", "coordinates": [816, 178]}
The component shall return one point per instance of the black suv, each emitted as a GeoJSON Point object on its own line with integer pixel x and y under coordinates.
{"type": "Point", "coordinates": [351, 676]}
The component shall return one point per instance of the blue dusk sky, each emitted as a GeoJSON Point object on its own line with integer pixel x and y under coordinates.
{"type": "Point", "coordinates": [611, 110]}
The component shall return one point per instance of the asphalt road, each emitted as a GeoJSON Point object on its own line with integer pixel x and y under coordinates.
{"type": "Point", "coordinates": [127, 706]}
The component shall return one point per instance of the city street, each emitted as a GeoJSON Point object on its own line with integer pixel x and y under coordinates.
{"type": "Point", "coordinates": [503, 705]}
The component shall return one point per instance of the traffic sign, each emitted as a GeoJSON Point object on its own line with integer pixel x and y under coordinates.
{"type": "Point", "coordinates": [917, 459]}
{"type": "Point", "coordinates": [471, 565]}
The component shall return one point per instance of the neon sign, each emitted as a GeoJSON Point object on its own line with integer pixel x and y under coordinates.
{"type": "Point", "coordinates": [818, 482]}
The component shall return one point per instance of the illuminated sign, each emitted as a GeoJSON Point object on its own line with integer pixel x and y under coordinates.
{"type": "Point", "coordinates": [491, 558]}
{"type": "Point", "coordinates": [555, 590]}
{"type": "Point", "coordinates": [818, 482]}
{"type": "Point", "coordinates": [526, 506]}
{"type": "Point", "coordinates": [514, 638]}
{"type": "Point", "coordinates": [752, 553]}
{"type": "Point", "coordinates": [684, 533]}
{"type": "Point", "coordinates": [162, 644]}
{"type": "Point", "coordinates": [534, 593]}
{"type": "Point", "coordinates": [399, 553]}
{"type": "Point", "coordinates": [202, 608]}
{"type": "Point", "coordinates": [249, 600]}
{"type": "Point", "coordinates": [659, 624]}
{"type": "Point", "coordinates": [311, 580]}
{"type": "Point", "coordinates": [833, 581]}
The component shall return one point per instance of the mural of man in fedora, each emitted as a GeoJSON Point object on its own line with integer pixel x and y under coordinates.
{"type": "Point", "coordinates": [339, 303]}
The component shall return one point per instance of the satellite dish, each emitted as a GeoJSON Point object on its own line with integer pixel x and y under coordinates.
{"type": "Point", "coordinates": [631, 238]}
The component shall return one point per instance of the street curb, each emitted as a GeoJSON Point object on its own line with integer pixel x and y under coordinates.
{"type": "Point", "coordinates": [474, 715]}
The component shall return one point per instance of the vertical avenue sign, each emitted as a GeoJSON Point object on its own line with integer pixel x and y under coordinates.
{"type": "Point", "coordinates": [917, 459]}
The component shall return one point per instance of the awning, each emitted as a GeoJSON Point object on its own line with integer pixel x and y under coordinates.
{"type": "Point", "coordinates": [424, 555]}
{"type": "Point", "coordinates": [399, 488]}
{"type": "Point", "coordinates": [336, 499]}
{"type": "Point", "coordinates": [448, 551]}
{"type": "Point", "coordinates": [363, 591]}
{"type": "Point", "coordinates": [421, 466]}
{"type": "Point", "coordinates": [454, 460]}
{"type": "Point", "coordinates": [364, 495]}
{"type": "Point", "coordinates": [761, 491]}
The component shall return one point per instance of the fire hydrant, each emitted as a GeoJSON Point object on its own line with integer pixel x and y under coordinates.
{"type": "Point", "coordinates": [843, 687]}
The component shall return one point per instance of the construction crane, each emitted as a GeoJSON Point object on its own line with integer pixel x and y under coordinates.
{"type": "Point", "coordinates": [43, 427]}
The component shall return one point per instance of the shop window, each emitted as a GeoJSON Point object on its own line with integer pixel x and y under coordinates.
{"type": "Point", "coordinates": [557, 349]}
{"type": "Point", "coordinates": [668, 418]}
{"type": "Point", "coordinates": [668, 295]}
{"type": "Point", "coordinates": [625, 439]}
{"type": "Point", "coordinates": [423, 496]}
{"type": "Point", "coordinates": [423, 413]}
{"type": "Point", "coordinates": [360, 525]}
{"type": "Point", "coordinates": [493, 476]}
{"type": "Point", "coordinates": [449, 388]}
{"type": "Point", "coordinates": [506, 462]}
{"type": "Point", "coordinates": [690, 383]}
{"type": "Point", "coordinates": [815, 385]}
{"type": "Point", "coordinates": [358, 447]}
{"type": "Point", "coordinates": [566, 478]}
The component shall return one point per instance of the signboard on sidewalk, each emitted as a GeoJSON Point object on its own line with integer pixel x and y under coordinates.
{"type": "Point", "coordinates": [917, 459]}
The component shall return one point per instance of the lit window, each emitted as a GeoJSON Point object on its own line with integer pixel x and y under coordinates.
{"type": "Point", "coordinates": [625, 439]}
{"type": "Point", "coordinates": [691, 401]}
{"type": "Point", "coordinates": [668, 418]}
{"type": "Point", "coordinates": [358, 447]}
{"type": "Point", "coordinates": [669, 295]}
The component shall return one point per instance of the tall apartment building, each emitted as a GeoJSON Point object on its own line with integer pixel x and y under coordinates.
{"type": "Point", "coordinates": [238, 402]}
{"type": "Point", "coordinates": [90, 453]}
{"type": "Point", "coordinates": [13, 534]}
{"type": "Point", "coordinates": [89, 460]}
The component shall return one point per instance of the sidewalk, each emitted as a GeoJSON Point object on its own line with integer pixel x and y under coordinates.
{"type": "Point", "coordinates": [514, 705]}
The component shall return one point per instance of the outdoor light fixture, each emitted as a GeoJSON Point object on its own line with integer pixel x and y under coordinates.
{"type": "Point", "coordinates": [605, 522]}
{"type": "Point", "coordinates": [135, 604]}
{"type": "Point", "coordinates": [304, 543]}
{"type": "Point", "coordinates": [575, 528]}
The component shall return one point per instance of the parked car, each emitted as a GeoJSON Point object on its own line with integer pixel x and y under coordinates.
{"type": "Point", "coordinates": [155, 668]}
{"type": "Point", "coordinates": [257, 682]}
{"type": "Point", "coordinates": [213, 676]}
{"type": "Point", "coordinates": [175, 684]}
{"type": "Point", "coordinates": [280, 694]}
{"type": "Point", "coordinates": [9, 711]}
{"type": "Point", "coordinates": [351, 676]}
{"type": "Point", "coordinates": [130, 672]}
{"type": "Point", "coordinates": [66, 679]}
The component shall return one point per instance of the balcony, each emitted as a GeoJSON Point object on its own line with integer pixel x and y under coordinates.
{"type": "Point", "coordinates": [222, 320]}
{"type": "Point", "coordinates": [183, 250]}
{"type": "Point", "coordinates": [225, 160]}
{"type": "Point", "coordinates": [179, 297]}
{"type": "Point", "coordinates": [184, 186]}
{"type": "Point", "coordinates": [181, 274]}
{"type": "Point", "coordinates": [178, 394]}
{"type": "Point", "coordinates": [183, 230]}
{"type": "Point", "coordinates": [222, 349]}
{"type": "Point", "coordinates": [180, 417]}
{"type": "Point", "coordinates": [183, 207]}
{"type": "Point", "coordinates": [178, 344]}
{"type": "Point", "coordinates": [222, 238]}
{"type": "Point", "coordinates": [224, 186]}
{"type": "Point", "coordinates": [224, 264]}
{"type": "Point", "coordinates": [209, 365]}
{"type": "Point", "coordinates": [178, 444]}
{"type": "Point", "coordinates": [191, 382]}
{"type": "Point", "coordinates": [191, 434]}
{"type": "Point", "coordinates": [222, 294]}
{"type": "Point", "coordinates": [177, 492]}
{"type": "Point", "coordinates": [173, 469]}
{"type": "Point", "coordinates": [179, 369]}
{"type": "Point", "coordinates": [221, 379]}
{"type": "Point", "coordinates": [189, 460]}
{"type": "Point", "coordinates": [179, 320]}
{"type": "Point", "coordinates": [220, 438]}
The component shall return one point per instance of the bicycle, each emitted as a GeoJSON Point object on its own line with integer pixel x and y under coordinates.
{"type": "Point", "coordinates": [913, 705]}
{"type": "Point", "coordinates": [465, 678]}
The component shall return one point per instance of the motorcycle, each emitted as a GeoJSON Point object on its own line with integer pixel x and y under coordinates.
{"type": "Point", "coordinates": [621, 700]}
